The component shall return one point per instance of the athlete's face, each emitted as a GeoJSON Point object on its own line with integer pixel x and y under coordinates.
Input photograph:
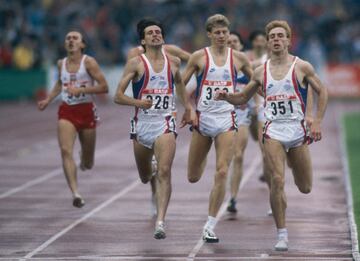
{"type": "Point", "coordinates": [259, 43]}
{"type": "Point", "coordinates": [234, 42]}
{"type": "Point", "coordinates": [219, 35]}
{"type": "Point", "coordinates": [152, 36]}
{"type": "Point", "coordinates": [278, 41]}
{"type": "Point", "coordinates": [73, 42]}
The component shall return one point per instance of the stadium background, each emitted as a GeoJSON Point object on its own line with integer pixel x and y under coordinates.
{"type": "Point", "coordinates": [326, 33]}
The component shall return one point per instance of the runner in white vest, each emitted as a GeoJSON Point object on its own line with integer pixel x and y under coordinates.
{"type": "Point", "coordinates": [284, 80]}
{"type": "Point", "coordinates": [216, 68]}
{"type": "Point", "coordinates": [79, 78]}
{"type": "Point", "coordinates": [184, 56]}
{"type": "Point", "coordinates": [153, 75]}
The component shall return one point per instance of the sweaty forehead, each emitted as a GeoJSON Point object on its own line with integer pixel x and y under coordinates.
{"type": "Point", "coordinates": [71, 34]}
{"type": "Point", "coordinates": [219, 28]}
{"type": "Point", "coordinates": [152, 27]}
{"type": "Point", "coordinates": [277, 30]}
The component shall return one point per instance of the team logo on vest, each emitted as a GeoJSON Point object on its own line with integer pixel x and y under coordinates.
{"type": "Point", "coordinates": [212, 70]}
{"type": "Point", "coordinates": [160, 77]}
{"type": "Point", "coordinates": [226, 75]}
{"type": "Point", "coordinates": [287, 85]}
{"type": "Point", "coordinates": [270, 85]}
{"type": "Point", "coordinates": [161, 81]}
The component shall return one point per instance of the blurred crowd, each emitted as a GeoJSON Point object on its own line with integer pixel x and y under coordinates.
{"type": "Point", "coordinates": [32, 31]}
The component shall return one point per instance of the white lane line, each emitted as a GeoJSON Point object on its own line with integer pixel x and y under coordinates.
{"type": "Point", "coordinates": [85, 217]}
{"type": "Point", "coordinates": [104, 258]}
{"type": "Point", "coordinates": [309, 258]}
{"type": "Point", "coordinates": [57, 171]}
{"type": "Point", "coordinates": [349, 194]}
{"type": "Point", "coordinates": [31, 183]}
{"type": "Point", "coordinates": [246, 177]}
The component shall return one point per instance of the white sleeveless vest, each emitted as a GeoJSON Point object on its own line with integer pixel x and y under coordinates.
{"type": "Point", "coordinates": [216, 78]}
{"type": "Point", "coordinates": [283, 98]}
{"type": "Point", "coordinates": [79, 79]}
{"type": "Point", "coordinates": [159, 88]}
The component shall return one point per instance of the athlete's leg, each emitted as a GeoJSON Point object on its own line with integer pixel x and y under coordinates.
{"type": "Point", "coordinates": [164, 149]}
{"type": "Point", "coordinates": [224, 152]}
{"type": "Point", "coordinates": [153, 187]}
{"type": "Point", "coordinates": [66, 137]}
{"type": "Point", "coordinates": [199, 148]}
{"type": "Point", "coordinates": [87, 139]}
{"type": "Point", "coordinates": [300, 160]}
{"type": "Point", "coordinates": [275, 155]}
{"type": "Point", "coordinates": [240, 141]}
{"type": "Point", "coordinates": [266, 175]}
{"type": "Point", "coordinates": [143, 157]}
{"type": "Point", "coordinates": [253, 128]}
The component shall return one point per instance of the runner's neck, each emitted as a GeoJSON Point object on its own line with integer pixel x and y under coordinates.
{"type": "Point", "coordinates": [74, 57]}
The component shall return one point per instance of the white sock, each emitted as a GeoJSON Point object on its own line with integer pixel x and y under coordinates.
{"type": "Point", "coordinates": [282, 233]}
{"type": "Point", "coordinates": [211, 222]}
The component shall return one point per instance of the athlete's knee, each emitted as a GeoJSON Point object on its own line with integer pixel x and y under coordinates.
{"type": "Point", "coordinates": [164, 170]}
{"type": "Point", "coordinates": [194, 174]}
{"type": "Point", "coordinates": [88, 164]}
{"type": "Point", "coordinates": [306, 189]}
{"type": "Point", "coordinates": [221, 174]}
{"type": "Point", "coordinates": [277, 183]}
{"type": "Point", "coordinates": [65, 151]}
{"type": "Point", "coordinates": [164, 173]}
{"type": "Point", "coordinates": [238, 156]}
{"type": "Point", "coordinates": [193, 178]}
{"type": "Point", "coordinates": [145, 178]}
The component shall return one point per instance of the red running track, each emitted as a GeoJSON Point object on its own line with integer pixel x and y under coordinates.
{"type": "Point", "coordinates": [38, 222]}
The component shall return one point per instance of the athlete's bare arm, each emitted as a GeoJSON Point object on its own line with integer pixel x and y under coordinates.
{"type": "Point", "coordinates": [193, 65]}
{"type": "Point", "coordinates": [249, 90]}
{"type": "Point", "coordinates": [315, 83]}
{"type": "Point", "coordinates": [256, 63]}
{"type": "Point", "coordinates": [93, 69]}
{"type": "Point", "coordinates": [244, 63]}
{"type": "Point", "coordinates": [181, 93]}
{"type": "Point", "coordinates": [54, 92]}
{"type": "Point", "coordinates": [309, 107]}
{"type": "Point", "coordinates": [131, 72]}
{"type": "Point", "coordinates": [177, 52]}
{"type": "Point", "coordinates": [180, 86]}
{"type": "Point", "coordinates": [135, 51]}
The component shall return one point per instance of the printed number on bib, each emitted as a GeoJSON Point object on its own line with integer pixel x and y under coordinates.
{"type": "Point", "coordinates": [281, 107]}
{"type": "Point", "coordinates": [82, 95]}
{"type": "Point", "coordinates": [210, 88]}
{"type": "Point", "coordinates": [159, 102]}
{"type": "Point", "coordinates": [210, 92]}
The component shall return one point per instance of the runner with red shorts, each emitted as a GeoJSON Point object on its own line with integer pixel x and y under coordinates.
{"type": "Point", "coordinates": [77, 113]}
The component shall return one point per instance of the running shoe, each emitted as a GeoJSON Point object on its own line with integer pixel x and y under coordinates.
{"type": "Point", "coordinates": [160, 231]}
{"type": "Point", "coordinates": [282, 244]}
{"type": "Point", "coordinates": [78, 202]}
{"type": "Point", "coordinates": [232, 206]}
{"type": "Point", "coordinates": [209, 236]}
